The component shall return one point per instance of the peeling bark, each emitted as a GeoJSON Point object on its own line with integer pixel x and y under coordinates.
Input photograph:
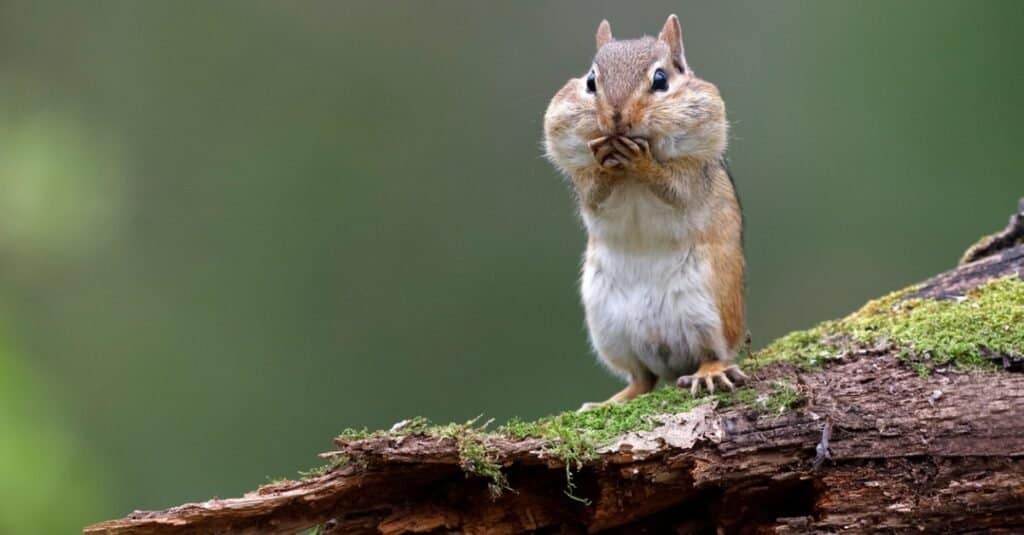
{"type": "Point", "coordinates": [874, 447]}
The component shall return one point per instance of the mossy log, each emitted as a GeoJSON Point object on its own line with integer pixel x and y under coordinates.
{"type": "Point", "coordinates": [874, 431]}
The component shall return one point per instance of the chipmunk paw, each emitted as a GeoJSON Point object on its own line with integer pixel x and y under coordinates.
{"type": "Point", "coordinates": [729, 375]}
{"type": "Point", "coordinates": [605, 154]}
{"type": "Point", "coordinates": [635, 152]}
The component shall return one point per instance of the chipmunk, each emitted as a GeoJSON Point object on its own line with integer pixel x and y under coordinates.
{"type": "Point", "coordinates": [642, 139]}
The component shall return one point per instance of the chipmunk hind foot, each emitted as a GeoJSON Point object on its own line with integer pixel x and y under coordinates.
{"type": "Point", "coordinates": [710, 372]}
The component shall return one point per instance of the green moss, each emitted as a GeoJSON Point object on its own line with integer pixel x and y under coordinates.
{"type": "Point", "coordinates": [805, 349]}
{"type": "Point", "coordinates": [783, 396]}
{"type": "Point", "coordinates": [317, 471]}
{"type": "Point", "coordinates": [741, 397]}
{"type": "Point", "coordinates": [361, 433]}
{"type": "Point", "coordinates": [929, 332]}
{"type": "Point", "coordinates": [810, 348]}
{"type": "Point", "coordinates": [574, 437]}
{"type": "Point", "coordinates": [416, 424]}
{"type": "Point", "coordinates": [476, 456]}
{"type": "Point", "coordinates": [944, 332]}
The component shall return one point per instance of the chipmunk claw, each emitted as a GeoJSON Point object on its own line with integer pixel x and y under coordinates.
{"type": "Point", "coordinates": [603, 152]}
{"type": "Point", "coordinates": [729, 375]}
{"type": "Point", "coordinates": [615, 161]}
{"type": "Point", "coordinates": [627, 146]}
{"type": "Point", "coordinates": [635, 151]}
{"type": "Point", "coordinates": [611, 155]}
{"type": "Point", "coordinates": [645, 146]}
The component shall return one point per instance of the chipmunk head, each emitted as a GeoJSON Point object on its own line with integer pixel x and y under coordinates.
{"type": "Point", "coordinates": [637, 88]}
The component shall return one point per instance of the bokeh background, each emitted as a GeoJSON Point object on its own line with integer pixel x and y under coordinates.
{"type": "Point", "coordinates": [230, 229]}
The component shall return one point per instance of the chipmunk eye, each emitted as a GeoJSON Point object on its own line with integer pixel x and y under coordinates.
{"type": "Point", "coordinates": [659, 81]}
{"type": "Point", "coordinates": [591, 82]}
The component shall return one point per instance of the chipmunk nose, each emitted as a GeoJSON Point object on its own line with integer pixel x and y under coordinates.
{"type": "Point", "coordinates": [619, 126]}
{"type": "Point", "coordinates": [613, 121]}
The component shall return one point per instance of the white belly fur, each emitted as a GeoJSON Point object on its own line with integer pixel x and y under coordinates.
{"type": "Point", "coordinates": [645, 285]}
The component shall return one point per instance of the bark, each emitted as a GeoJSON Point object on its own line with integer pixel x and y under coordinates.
{"type": "Point", "coordinates": [874, 447]}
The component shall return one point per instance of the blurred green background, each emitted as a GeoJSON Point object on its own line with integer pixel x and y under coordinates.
{"type": "Point", "coordinates": [229, 230]}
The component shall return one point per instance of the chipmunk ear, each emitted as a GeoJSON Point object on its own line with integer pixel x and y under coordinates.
{"type": "Point", "coordinates": [604, 34]}
{"type": "Point", "coordinates": [672, 35]}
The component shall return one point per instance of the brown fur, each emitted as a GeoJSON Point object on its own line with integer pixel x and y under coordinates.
{"type": "Point", "coordinates": [723, 242]}
{"type": "Point", "coordinates": [619, 64]}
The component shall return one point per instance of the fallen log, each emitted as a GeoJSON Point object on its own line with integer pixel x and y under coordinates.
{"type": "Point", "coordinates": [906, 416]}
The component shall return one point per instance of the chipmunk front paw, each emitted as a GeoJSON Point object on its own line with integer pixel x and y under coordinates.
{"type": "Point", "coordinates": [605, 153]}
{"type": "Point", "coordinates": [710, 371]}
{"type": "Point", "coordinates": [637, 153]}
{"type": "Point", "coordinates": [626, 154]}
